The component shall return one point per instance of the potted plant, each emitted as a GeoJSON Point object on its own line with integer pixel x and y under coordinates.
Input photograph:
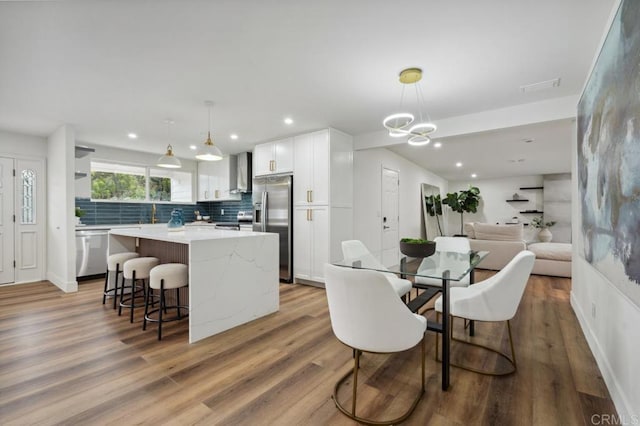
{"type": "Point", "coordinates": [464, 201]}
{"type": "Point", "coordinates": [433, 206]}
{"type": "Point", "coordinates": [79, 214]}
{"type": "Point", "coordinates": [417, 247]}
{"type": "Point", "coordinates": [544, 235]}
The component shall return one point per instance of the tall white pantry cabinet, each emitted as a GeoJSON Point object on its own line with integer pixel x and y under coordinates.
{"type": "Point", "coordinates": [322, 201]}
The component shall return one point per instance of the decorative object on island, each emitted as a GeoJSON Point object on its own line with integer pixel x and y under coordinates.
{"type": "Point", "coordinates": [168, 160]}
{"type": "Point", "coordinates": [544, 235]}
{"type": "Point", "coordinates": [433, 207]}
{"type": "Point", "coordinates": [416, 247]}
{"type": "Point", "coordinates": [464, 201]}
{"type": "Point", "coordinates": [399, 124]}
{"type": "Point", "coordinates": [209, 152]}
{"type": "Point", "coordinates": [79, 214]}
{"type": "Point", "coordinates": [176, 223]}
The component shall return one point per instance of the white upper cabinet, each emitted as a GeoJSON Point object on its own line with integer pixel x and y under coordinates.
{"type": "Point", "coordinates": [311, 172]}
{"type": "Point", "coordinates": [273, 157]}
{"type": "Point", "coordinates": [215, 179]}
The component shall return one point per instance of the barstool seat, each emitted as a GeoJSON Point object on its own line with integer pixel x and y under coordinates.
{"type": "Point", "coordinates": [115, 263]}
{"type": "Point", "coordinates": [135, 269]}
{"type": "Point", "coordinates": [165, 277]}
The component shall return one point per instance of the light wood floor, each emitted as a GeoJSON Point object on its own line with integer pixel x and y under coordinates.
{"type": "Point", "coordinates": [66, 358]}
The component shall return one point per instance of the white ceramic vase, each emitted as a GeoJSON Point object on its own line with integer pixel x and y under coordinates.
{"type": "Point", "coordinates": [545, 235]}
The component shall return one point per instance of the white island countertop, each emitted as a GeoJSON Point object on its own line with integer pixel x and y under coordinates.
{"type": "Point", "coordinates": [184, 236]}
{"type": "Point", "coordinates": [233, 275]}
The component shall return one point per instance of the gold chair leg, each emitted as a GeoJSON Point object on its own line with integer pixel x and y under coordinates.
{"type": "Point", "coordinates": [352, 414]}
{"type": "Point", "coordinates": [510, 359]}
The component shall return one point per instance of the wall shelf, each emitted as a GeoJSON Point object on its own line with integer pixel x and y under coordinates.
{"type": "Point", "coordinates": [83, 151]}
{"type": "Point", "coordinates": [532, 212]}
{"type": "Point", "coordinates": [519, 200]}
{"type": "Point", "coordinates": [524, 188]}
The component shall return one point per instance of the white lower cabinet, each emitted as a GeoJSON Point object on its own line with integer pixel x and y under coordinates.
{"type": "Point", "coordinates": [311, 242]}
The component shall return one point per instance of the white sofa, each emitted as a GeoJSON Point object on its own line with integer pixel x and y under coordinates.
{"type": "Point", "coordinates": [502, 242]}
{"type": "Point", "coordinates": [552, 259]}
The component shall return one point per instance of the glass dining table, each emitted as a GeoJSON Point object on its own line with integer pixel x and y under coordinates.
{"type": "Point", "coordinates": [442, 268]}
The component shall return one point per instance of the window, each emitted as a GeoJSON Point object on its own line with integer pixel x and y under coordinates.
{"type": "Point", "coordinates": [28, 197]}
{"type": "Point", "coordinates": [169, 185]}
{"type": "Point", "coordinates": [119, 182]}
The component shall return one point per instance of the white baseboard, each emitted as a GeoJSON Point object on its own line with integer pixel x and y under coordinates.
{"type": "Point", "coordinates": [625, 411]}
{"type": "Point", "coordinates": [66, 286]}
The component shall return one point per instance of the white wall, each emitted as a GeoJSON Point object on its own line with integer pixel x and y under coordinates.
{"type": "Point", "coordinates": [367, 188]}
{"type": "Point", "coordinates": [19, 145]}
{"type": "Point", "coordinates": [61, 245]}
{"type": "Point", "coordinates": [612, 332]}
{"type": "Point", "coordinates": [493, 206]}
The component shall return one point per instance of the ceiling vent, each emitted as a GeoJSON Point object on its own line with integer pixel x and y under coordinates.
{"type": "Point", "coordinates": [543, 85]}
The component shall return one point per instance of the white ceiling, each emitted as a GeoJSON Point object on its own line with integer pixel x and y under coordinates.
{"type": "Point", "coordinates": [109, 68]}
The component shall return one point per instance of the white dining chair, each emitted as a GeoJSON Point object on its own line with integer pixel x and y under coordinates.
{"type": "Point", "coordinates": [355, 250]}
{"type": "Point", "coordinates": [495, 299]}
{"type": "Point", "coordinates": [367, 315]}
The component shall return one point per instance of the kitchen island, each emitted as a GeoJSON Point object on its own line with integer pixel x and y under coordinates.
{"type": "Point", "coordinates": [233, 275]}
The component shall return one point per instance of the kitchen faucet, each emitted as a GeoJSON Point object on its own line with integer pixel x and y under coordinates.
{"type": "Point", "coordinates": [153, 213]}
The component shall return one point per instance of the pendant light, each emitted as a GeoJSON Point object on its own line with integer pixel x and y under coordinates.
{"type": "Point", "coordinates": [168, 160]}
{"type": "Point", "coordinates": [400, 124]}
{"type": "Point", "coordinates": [209, 152]}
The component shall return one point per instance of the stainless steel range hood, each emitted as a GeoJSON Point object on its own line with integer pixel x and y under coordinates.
{"type": "Point", "coordinates": [244, 175]}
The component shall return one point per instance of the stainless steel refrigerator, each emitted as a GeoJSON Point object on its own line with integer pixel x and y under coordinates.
{"type": "Point", "coordinates": [272, 212]}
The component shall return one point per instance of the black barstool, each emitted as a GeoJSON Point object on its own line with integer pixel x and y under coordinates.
{"type": "Point", "coordinates": [115, 263]}
{"type": "Point", "coordinates": [166, 277]}
{"type": "Point", "coordinates": [136, 269]}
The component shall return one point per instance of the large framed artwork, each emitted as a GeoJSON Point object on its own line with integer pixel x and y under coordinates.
{"type": "Point", "coordinates": [609, 156]}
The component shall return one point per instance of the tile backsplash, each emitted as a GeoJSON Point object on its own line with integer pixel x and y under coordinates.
{"type": "Point", "coordinates": [115, 213]}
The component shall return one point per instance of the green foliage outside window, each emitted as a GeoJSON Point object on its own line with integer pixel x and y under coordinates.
{"type": "Point", "coordinates": [159, 188]}
{"type": "Point", "coordinates": [117, 186]}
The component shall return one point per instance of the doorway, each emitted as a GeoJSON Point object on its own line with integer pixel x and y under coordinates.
{"type": "Point", "coordinates": [22, 219]}
{"type": "Point", "coordinates": [390, 217]}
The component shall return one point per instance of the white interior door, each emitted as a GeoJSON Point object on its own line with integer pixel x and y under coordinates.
{"type": "Point", "coordinates": [7, 271]}
{"type": "Point", "coordinates": [390, 217]}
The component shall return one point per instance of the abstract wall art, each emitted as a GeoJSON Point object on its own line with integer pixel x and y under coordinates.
{"type": "Point", "coordinates": [609, 156]}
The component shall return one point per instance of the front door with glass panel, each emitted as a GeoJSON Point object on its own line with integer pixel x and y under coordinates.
{"type": "Point", "coordinates": [22, 215]}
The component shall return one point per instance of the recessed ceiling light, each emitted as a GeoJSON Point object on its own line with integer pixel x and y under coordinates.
{"type": "Point", "coordinates": [233, 136]}
{"type": "Point", "coordinates": [528, 140]}
{"type": "Point", "coordinates": [132, 136]}
{"type": "Point", "coordinates": [193, 147]}
{"type": "Point", "coordinates": [473, 175]}
{"type": "Point", "coordinates": [288, 120]}
{"type": "Point", "coordinates": [437, 144]}
{"type": "Point", "coordinates": [458, 164]}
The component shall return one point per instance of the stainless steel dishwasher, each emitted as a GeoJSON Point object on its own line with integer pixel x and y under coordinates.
{"type": "Point", "coordinates": [91, 252]}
